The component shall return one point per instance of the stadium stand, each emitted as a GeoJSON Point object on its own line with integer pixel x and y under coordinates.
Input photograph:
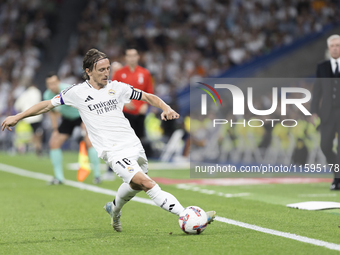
{"type": "Point", "coordinates": [25, 32]}
{"type": "Point", "coordinates": [183, 39]}
{"type": "Point", "coordinates": [178, 40]}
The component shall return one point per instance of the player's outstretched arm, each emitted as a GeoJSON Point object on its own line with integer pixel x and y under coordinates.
{"type": "Point", "coordinates": [167, 114]}
{"type": "Point", "coordinates": [36, 109]}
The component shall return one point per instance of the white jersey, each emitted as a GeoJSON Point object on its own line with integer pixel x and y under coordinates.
{"type": "Point", "coordinates": [102, 113]}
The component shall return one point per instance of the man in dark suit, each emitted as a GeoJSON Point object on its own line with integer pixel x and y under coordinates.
{"type": "Point", "coordinates": [326, 105]}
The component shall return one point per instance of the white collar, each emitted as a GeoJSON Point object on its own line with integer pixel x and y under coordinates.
{"type": "Point", "coordinates": [333, 63]}
{"type": "Point", "coordinates": [333, 60]}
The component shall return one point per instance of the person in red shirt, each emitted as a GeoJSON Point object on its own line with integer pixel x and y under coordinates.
{"type": "Point", "coordinates": [139, 78]}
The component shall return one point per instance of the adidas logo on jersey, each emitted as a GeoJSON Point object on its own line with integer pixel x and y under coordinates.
{"type": "Point", "coordinates": [89, 98]}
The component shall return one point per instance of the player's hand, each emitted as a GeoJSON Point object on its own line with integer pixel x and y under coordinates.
{"type": "Point", "coordinates": [9, 122]}
{"type": "Point", "coordinates": [169, 114]}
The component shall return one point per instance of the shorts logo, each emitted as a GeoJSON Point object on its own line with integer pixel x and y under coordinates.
{"type": "Point", "coordinates": [111, 92]}
{"type": "Point", "coordinates": [130, 169]}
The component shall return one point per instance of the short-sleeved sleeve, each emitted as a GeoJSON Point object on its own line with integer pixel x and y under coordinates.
{"type": "Point", "coordinates": [129, 93]}
{"type": "Point", "coordinates": [57, 100]}
{"type": "Point", "coordinates": [65, 97]}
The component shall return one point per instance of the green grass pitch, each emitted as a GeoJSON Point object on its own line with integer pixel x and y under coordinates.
{"type": "Point", "coordinates": [39, 219]}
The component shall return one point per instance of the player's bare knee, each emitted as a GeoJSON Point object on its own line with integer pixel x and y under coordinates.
{"type": "Point", "coordinates": [53, 144]}
{"type": "Point", "coordinates": [148, 184]}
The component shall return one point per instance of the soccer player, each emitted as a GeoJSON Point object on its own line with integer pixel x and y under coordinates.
{"type": "Point", "coordinates": [111, 133]}
{"type": "Point", "coordinates": [70, 119]}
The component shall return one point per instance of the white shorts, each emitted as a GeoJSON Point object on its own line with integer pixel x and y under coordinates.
{"type": "Point", "coordinates": [127, 166]}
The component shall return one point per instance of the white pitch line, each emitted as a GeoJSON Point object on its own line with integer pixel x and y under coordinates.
{"type": "Point", "coordinates": [299, 238]}
{"type": "Point", "coordinates": [80, 185]}
{"type": "Point", "coordinates": [83, 186]}
{"type": "Point", "coordinates": [209, 191]}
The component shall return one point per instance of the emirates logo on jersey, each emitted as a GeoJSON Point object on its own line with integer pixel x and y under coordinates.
{"type": "Point", "coordinates": [103, 107]}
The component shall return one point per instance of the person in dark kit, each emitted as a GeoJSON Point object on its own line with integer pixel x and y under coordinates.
{"type": "Point", "coordinates": [327, 91]}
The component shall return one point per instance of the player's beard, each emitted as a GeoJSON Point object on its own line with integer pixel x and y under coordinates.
{"type": "Point", "coordinates": [101, 83]}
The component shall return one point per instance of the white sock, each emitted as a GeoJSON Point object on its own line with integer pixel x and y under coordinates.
{"type": "Point", "coordinates": [124, 194]}
{"type": "Point", "coordinates": [165, 200]}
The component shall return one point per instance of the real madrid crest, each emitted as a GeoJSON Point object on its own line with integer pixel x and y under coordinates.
{"type": "Point", "coordinates": [111, 92]}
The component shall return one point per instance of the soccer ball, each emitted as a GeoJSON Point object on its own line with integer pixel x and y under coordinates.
{"type": "Point", "coordinates": [193, 220]}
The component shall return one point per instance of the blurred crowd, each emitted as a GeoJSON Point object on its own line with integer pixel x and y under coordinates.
{"type": "Point", "coordinates": [177, 39]}
{"type": "Point", "coordinates": [26, 27]}
{"type": "Point", "coordinates": [181, 39]}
